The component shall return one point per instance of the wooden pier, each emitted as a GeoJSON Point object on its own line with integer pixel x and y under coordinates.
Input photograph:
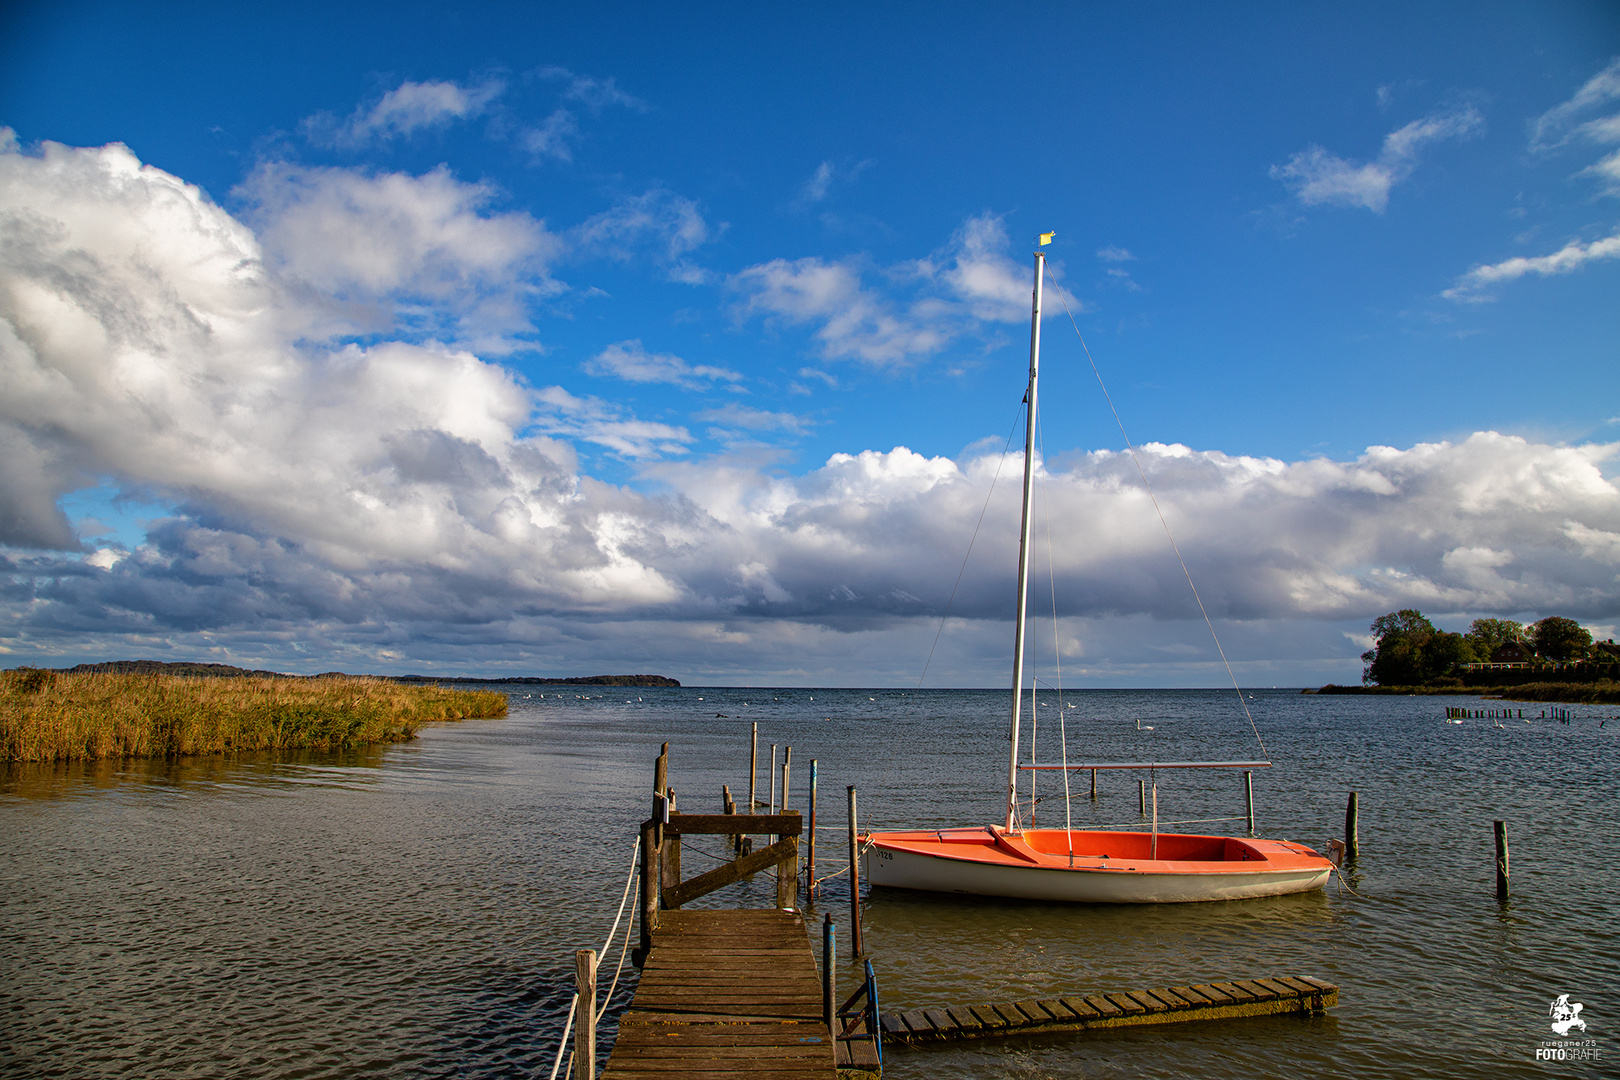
{"type": "Point", "coordinates": [1171, 1004]}
{"type": "Point", "coordinates": [731, 992]}
{"type": "Point", "coordinates": [726, 993]}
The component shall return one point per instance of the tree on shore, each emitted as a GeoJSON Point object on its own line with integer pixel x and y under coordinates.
{"type": "Point", "coordinates": [1488, 635]}
{"type": "Point", "coordinates": [1412, 651]}
{"type": "Point", "coordinates": [1404, 655]}
{"type": "Point", "coordinates": [1558, 639]}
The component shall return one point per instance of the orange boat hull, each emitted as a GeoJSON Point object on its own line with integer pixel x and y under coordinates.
{"type": "Point", "coordinates": [1104, 867]}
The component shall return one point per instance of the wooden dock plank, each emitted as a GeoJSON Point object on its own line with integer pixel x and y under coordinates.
{"type": "Point", "coordinates": [1267, 996]}
{"type": "Point", "coordinates": [987, 1016]}
{"type": "Point", "coordinates": [916, 1023]}
{"type": "Point", "coordinates": [1219, 997]}
{"type": "Point", "coordinates": [725, 993]}
{"type": "Point", "coordinates": [1080, 1009]}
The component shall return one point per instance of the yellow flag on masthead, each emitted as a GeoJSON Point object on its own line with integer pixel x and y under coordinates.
{"type": "Point", "coordinates": [1046, 238]}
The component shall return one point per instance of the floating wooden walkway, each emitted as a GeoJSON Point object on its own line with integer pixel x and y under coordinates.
{"type": "Point", "coordinates": [726, 993]}
{"type": "Point", "coordinates": [1172, 1004]}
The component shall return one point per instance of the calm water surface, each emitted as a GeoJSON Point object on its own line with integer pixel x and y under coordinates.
{"type": "Point", "coordinates": [413, 910]}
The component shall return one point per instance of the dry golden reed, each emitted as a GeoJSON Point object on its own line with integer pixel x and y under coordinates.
{"type": "Point", "coordinates": [58, 716]}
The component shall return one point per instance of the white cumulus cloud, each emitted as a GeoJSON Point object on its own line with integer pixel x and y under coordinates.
{"type": "Point", "coordinates": [630, 361]}
{"type": "Point", "coordinates": [1573, 120]}
{"type": "Point", "coordinates": [1316, 175]}
{"type": "Point", "coordinates": [407, 498]}
{"type": "Point", "coordinates": [408, 108]}
{"type": "Point", "coordinates": [658, 224]}
{"type": "Point", "coordinates": [1473, 285]}
{"type": "Point", "coordinates": [968, 283]}
{"type": "Point", "coordinates": [386, 250]}
{"type": "Point", "coordinates": [750, 419]}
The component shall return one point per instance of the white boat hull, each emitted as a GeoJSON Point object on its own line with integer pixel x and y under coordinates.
{"type": "Point", "coordinates": [1135, 881]}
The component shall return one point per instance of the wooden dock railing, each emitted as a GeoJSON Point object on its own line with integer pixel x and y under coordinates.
{"type": "Point", "coordinates": [661, 884]}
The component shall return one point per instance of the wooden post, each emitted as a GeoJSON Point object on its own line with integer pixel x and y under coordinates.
{"type": "Point", "coordinates": [1500, 828]}
{"type": "Point", "coordinates": [661, 801]}
{"type": "Point", "coordinates": [770, 807]}
{"type": "Point", "coordinates": [1248, 797]}
{"type": "Point", "coordinates": [672, 851]}
{"type": "Point", "coordinates": [753, 769]}
{"type": "Point", "coordinates": [652, 856]}
{"type": "Point", "coordinates": [728, 807]}
{"type": "Point", "coordinates": [585, 1014]}
{"type": "Point", "coordinates": [1093, 785]}
{"type": "Point", "coordinates": [649, 890]}
{"type": "Point", "coordinates": [810, 869]}
{"type": "Point", "coordinates": [855, 878]}
{"type": "Point", "coordinates": [746, 844]}
{"type": "Point", "coordinates": [1352, 824]}
{"type": "Point", "coordinates": [829, 970]}
{"type": "Point", "coordinates": [1141, 798]}
{"type": "Point", "coordinates": [787, 878]}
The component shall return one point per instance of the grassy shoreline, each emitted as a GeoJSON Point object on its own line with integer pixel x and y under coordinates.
{"type": "Point", "coordinates": [1601, 692]}
{"type": "Point", "coordinates": [56, 716]}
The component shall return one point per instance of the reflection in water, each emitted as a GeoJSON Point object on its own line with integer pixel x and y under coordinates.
{"type": "Point", "coordinates": [412, 909]}
{"type": "Point", "coordinates": [257, 770]}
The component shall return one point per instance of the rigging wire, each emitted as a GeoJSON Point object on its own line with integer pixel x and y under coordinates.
{"type": "Point", "coordinates": [1002, 460]}
{"type": "Point", "coordinates": [1057, 657]}
{"type": "Point", "coordinates": [1162, 521]}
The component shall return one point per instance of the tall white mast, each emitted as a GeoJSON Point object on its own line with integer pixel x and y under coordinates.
{"type": "Point", "coordinates": [1024, 535]}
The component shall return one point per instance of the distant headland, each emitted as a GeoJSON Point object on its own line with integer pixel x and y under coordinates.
{"type": "Point", "coordinates": [199, 670]}
{"type": "Point", "coordinates": [528, 680]}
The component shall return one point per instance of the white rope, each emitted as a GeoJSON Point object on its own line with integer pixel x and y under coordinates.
{"type": "Point", "coordinates": [573, 1006]}
{"type": "Point", "coordinates": [860, 849]}
{"type": "Point", "coordinates": [635, 864]}
{"type": "Point", "coordinates": [1162, 521]}
{"type": "Point", "coordinates": [635, 867]}
{"type": "Point", "coordinates": [562, 1046]}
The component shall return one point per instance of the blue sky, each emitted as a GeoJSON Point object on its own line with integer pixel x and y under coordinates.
{"type": "Point", "coordinates": [496, 338]}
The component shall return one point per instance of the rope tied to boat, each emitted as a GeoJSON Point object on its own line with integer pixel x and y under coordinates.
{"type": "Point", "coordinates": [861, 849]}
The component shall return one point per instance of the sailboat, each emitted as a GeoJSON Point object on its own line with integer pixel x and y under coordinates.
{"type": "Point", "coordinates": [1084, 866]}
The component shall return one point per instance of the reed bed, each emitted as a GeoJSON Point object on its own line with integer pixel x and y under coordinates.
{"type": "Point", "coordinates": [59, 716]}
{"type": "Point", "coordinates": [1602, 692]}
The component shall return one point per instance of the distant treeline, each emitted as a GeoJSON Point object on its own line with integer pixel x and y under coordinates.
{"type": "Point", "coordinates": [1412, 651]}
{"type": "Point", "coordinates": [1335, 688]}
{"type": "Point", "coordinates": [1553, 656]}
{"type": "Point", "coordinates": [578, 680]}
{"type": "Point", "coordinates": [159, 667]}
{"type": "Point", "coordinates": [198, 670]}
